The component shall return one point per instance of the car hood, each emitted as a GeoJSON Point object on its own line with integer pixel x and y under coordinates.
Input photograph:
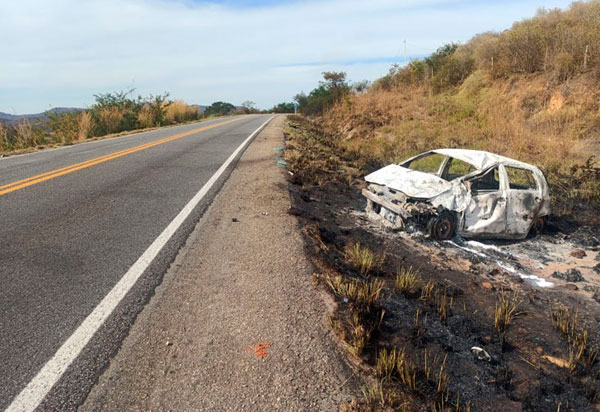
{"type": "Point", "coordinates": [410, 182]}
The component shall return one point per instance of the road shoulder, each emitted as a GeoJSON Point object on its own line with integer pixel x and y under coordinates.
{"type": "Point", "coordinates": [242, 280]}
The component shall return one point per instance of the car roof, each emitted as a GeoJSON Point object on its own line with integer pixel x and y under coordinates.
{"type": "Point", "coordinates": [481, 159]}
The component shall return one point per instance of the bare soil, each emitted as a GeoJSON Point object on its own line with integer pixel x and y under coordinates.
{"type": "Point", "coordinates": [528, 367]}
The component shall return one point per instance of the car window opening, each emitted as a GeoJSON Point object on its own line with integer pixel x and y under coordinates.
{"type": "Point", "coordinates": [520, 179]}
{"type": "Point", "coordinates": [489, 182]}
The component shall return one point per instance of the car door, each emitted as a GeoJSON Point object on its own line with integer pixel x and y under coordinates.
{"type": "Point", "coordinates": [485, 214]}
{"type": "Point", "coordinates": [524, 199]}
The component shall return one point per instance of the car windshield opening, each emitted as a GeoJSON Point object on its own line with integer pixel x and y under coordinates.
{"type": "Point", "coordinates": [429, 163]}
{"type": "Point", "coordinates": [456, 168]}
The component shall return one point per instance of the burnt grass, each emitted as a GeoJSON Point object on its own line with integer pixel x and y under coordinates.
{"type": "Point", "coordinates": [325, 187]}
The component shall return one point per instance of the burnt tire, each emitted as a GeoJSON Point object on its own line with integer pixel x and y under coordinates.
{"type": "Point", "coordinates": [537, 227]}
{"type": "Point", "coordinates": [442, 226]}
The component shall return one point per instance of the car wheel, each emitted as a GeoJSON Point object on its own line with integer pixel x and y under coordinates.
{"type": "Point", "coordinates": [442, 226]}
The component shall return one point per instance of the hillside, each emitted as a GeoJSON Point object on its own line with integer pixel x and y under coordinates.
{"type": "Point", "coordinates": [531, 92]}
{"type": "Point", "coordinates": [524, 116]}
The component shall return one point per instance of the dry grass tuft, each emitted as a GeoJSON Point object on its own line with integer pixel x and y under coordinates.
{"type": "Point", "coordinates": [407, 372]}
{"type": "Point", "coordinates": [582, 355]}
{"type": "Point", "coordinates": [386, 363]}
{"type": "Point", "coordinates": [378, 394]}
{"type": "Point", "coordinates": [367, 292]}
{"type": "Point", "coordinates": [4, 143]}
{"type": "Point", "coordinates": [25, 134]}
{"type": "Point", "coordinates": [84, 123]}
{"type": "Point", "coordinates": [179, 111]}
{"type": "Point", "coordinates": [407, 280]}
{"type": "Point", "coordinates": [437, 297]}
{"type": "Point", "coordinates": [146, 117]}
{"type": "Point", "coordinates": [427, 291]}
{"type": "Point", "coordinates": [312, 231]}
{"type": "Point", "coordinates": [363, 259]}
{"type": "Point", "coordinates": [360, 333]}
{"type": "Point", "coordinates": [506, 310]}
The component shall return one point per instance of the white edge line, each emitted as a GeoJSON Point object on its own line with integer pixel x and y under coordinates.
{"type": "Point", "coordinates": [36, 390]}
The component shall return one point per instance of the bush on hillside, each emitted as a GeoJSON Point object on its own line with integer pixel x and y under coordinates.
{"type": "Point", "coordinates": [331, 89]}
{"type": "Point", "coordinates": [564, 43]}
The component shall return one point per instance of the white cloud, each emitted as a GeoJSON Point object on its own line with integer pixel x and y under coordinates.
{"type": "Point", "coordinates": [62, 52]}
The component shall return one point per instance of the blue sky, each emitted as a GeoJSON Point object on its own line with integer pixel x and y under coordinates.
{"type": "Point", "coordinates": [62, 52]}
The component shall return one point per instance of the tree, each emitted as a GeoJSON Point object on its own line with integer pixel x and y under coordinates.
{"type": "Point", "coordinates": [331, 89]}
{"type": "Point", "coordinates": [249, 104]}
{"type": "Point", "coordinates": [333, 80]}
{"type": "Point", "coordinates": [249, 107]}
{"type": "Point", "coordinates": [219, 109]}
{"type": "Point", "coordinates": [335, 84]}
{"type": "Point", "coordinates": [283, 108]}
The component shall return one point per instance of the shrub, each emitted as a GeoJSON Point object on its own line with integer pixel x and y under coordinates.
{"type": "Point", "coordinates": [145, 117]}
{"type": "Point", "coordinates": [178, 112]}
{"type": "Point", "coordinates": [84, 125]}
{"type": "Point", "coordinates": [107, 120]}
{"type": "Point", "coordinates": [283, 108]}
{"type": "Point", "coordinates": [565, 65]}
{"type": "Point", "coordinates": [64, 126]}
{"type": "Point", "coordinates": [4, 140]}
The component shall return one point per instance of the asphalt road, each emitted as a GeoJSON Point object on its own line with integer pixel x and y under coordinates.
{"type": "Point", "coordinates": [69, 235]}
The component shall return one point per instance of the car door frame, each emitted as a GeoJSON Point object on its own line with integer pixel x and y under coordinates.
{"type": "Point", "coordinates": [523, 205]}
{"type": "Point", "coordinates": [493, 222]}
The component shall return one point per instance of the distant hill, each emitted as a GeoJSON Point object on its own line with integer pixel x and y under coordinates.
{"type": "Point", "coordinates": [12, 118]}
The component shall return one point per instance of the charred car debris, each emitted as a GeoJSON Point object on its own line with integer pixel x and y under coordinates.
{"type": "Point", "coordinates": [471, 193]}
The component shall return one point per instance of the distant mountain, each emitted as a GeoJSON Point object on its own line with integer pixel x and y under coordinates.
{"type": "Point", "coordinates": [12, 118]}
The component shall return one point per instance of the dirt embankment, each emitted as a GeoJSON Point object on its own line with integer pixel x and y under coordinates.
{"type": "Point", "coordinates": [533, 118]}
{"type": "Point", "coordinates": [450, 326]}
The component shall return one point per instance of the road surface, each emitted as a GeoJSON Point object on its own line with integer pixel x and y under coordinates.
{"type": "Point", "coordinates": [75, 222]}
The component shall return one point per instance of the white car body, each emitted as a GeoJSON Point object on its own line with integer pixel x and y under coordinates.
{"type": "Point", "coordinates": [496, 197]}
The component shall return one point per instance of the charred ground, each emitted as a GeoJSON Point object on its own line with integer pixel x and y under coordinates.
{"type": "Point", "coordinates": [410, 310]}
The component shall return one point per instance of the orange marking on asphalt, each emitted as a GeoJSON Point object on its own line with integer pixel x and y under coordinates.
{"type": "Point", "coordinates": [42, 177]}
{"type": "Point", "coordinates": [260, 350]}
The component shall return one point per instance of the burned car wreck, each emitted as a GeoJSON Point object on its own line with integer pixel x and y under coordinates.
{"type": "Point", "coordinates": [454, 191]}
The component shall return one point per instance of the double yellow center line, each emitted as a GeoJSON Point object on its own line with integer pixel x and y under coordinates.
{"type": "Point", "coordinates": [20, 184]}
